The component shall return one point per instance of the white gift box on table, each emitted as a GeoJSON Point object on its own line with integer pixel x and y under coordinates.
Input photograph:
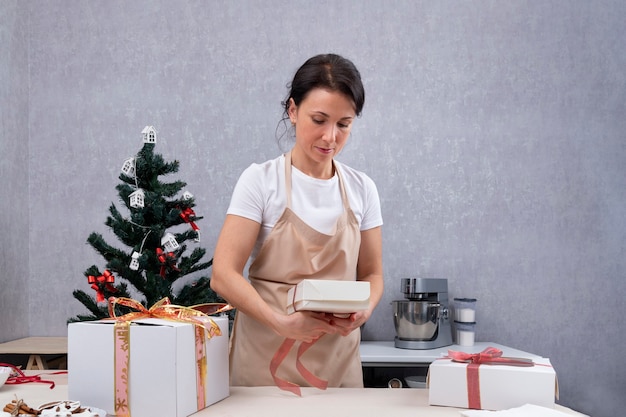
{"type": "Point", "coordinates": [162, 373]}
{"type": "Point", "coordinates": [499, 386]}
{"type": "Point", "coordinates": [329, 296]}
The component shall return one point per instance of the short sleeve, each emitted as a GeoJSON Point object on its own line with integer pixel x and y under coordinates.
{"type": "Point", "coordinates": [372, 213]}
{"type": "Point", "coordinates": [247, 199]}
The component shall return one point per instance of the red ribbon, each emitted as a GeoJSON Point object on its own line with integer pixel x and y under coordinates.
{"type": "Point", "coordinates": [280, 356]}
{"type": "Point", "coordinates": [489, 356]}
{"type": "Point", "coordinates": [186, 215]}
{"type": "Point", "coordinates": [107, 279]}
{"type": "Point", "coordinates": [167, 260]}
{"type": "Point", "coordinates": [18, 377]}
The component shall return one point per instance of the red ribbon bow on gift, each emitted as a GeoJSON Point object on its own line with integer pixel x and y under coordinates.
{"type": "Point", "coordinates": [489, 356]}
{"type": "Point", "coordinates": [186, 215]}
{"type": "Point", "coordinates": [167, 260]}
{"type": "Point", "coordinates": [107, 278]}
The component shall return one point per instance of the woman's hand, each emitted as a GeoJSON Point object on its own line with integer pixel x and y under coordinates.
{"type": "Point", "coordinates": [346, 325]}
{"type": "Point", "coordinates": [306, 326]}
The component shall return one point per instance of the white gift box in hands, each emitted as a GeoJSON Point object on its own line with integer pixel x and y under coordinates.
{"type": "Point", "coordinates": [329, 296]}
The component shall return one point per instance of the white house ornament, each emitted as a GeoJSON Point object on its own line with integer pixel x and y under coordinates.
{"type": "Point", "coordinates": [129, 167]}
{"type": "Point", "coordinates": [137, 199]}
{"type": "Point", "coordinates": [187, 195]}
{"type": "Point", "coordinates": [168, 241]}
{"type": "Point", "coordinates": [148, 134]}
{"type": "Point", "coordinates": [134, 262]}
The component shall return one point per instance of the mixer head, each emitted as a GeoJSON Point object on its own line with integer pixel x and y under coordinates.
{"type": "Point", "coordinates": [421, 288]}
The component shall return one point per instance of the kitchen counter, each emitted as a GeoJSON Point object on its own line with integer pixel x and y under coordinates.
{"type": "Point", "coordinates": [385, 354]}
{"type": "Point", "coordinates": [272, 402]}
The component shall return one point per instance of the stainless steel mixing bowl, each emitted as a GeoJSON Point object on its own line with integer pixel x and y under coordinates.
{"type": "Point", "coordinates": [416, 320]}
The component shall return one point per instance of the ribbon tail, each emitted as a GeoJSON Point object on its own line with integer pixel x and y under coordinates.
{"type": "Point", "coordinates": [121, 358]}
{"type": "Point", "coordinates": [473, 386]}
{"type": "Point", "coordinates": [278, 358]}
{"type": "Point", "coordinates": [510, 361]}
{"type": "Point", "coordinates": [99, 293]}
{"type": "Point", "coordinates": [110, 288]}
{"type": "Point", "coordinates": [201, 367]}
{"type": "Point", "coordinates": [308, 375]}
{"type": "Point", "coordinates": [212, 308]}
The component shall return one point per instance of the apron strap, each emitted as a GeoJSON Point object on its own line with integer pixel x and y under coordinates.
{"type": "Point", "coordinates": [288, 178]}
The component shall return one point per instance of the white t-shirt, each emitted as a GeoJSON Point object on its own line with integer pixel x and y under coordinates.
{"type": "Point", "coordinates": [259, 195]}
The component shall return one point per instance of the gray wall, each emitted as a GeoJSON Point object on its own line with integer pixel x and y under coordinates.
{"type": "Point", "coordinates": [14, 173]}
{"type": "Point", "coordinates": [494, 130]}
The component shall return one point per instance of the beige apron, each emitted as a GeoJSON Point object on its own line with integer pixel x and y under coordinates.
{"type": "Point", "coordinates": [292, 252]}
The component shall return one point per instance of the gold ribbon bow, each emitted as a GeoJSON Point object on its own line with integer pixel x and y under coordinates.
{"type": "Point", "coordinates": [162, 309]}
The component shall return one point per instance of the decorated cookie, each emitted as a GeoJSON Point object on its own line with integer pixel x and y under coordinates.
{"type": "Point", "coordinates": [91, 412]}
{"type": "Point", "coordinates": [55, 412]}
{"type": "Point", "coordinates": [82, 412]}
{"type": "Point", "coordinates": [60, 407]}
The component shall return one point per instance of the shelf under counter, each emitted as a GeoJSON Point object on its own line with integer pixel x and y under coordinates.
{"type": "Point", "coordinates": [385, 354]}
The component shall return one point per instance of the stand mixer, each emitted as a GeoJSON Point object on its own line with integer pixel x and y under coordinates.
{"type": "Point", "coordinates": [422, 320]}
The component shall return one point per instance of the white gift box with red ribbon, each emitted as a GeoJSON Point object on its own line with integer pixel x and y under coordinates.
{"type": "Point", "coordinates": [163, 369]}
{"type": "Point", "coordinates": [489, 381]}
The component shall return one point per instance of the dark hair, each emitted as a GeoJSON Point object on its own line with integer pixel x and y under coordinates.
{"type": "Point", "coordinates": [328, 71]}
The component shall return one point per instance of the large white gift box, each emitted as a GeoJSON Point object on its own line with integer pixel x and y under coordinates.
{"type": "Point", "coordinates": [329, 296]}
{"type": "Point", "coordinates": [492, 385]}
{"type": "Point", "coordinates": [163, 371]}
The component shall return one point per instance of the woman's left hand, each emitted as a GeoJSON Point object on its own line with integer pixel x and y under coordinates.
{"type": "Point", "coordinates": [346, 325]}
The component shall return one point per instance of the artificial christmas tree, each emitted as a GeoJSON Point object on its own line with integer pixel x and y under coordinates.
{"type": "Point", "coordinates": [154, 258]}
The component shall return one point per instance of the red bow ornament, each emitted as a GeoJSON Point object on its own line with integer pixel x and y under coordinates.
{"type": "Point", "coordinates": [167, 260]}
{"type": "Point", "coordinates": [105, 280]}
{"type": "Point", "coordinates": [186, 215]}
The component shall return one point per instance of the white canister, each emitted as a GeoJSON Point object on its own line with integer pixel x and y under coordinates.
{"type": "Point", "coordinates": [465, 333]}
{"type": "Point", "coordinates": [465, 310]}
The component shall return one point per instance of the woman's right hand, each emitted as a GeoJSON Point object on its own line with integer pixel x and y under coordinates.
{"type": "Point", "coordinates": [306, 326]}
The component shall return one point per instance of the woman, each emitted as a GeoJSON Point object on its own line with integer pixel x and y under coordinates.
{"type": "Point", "coordinates": [302, 215]}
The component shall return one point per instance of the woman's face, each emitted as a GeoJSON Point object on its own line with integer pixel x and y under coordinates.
{"type": "Point", "coordinates": [323, 121]}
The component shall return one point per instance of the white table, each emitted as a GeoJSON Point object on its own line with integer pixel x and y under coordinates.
{"type": "Point", "coordinates": [272, 402]}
